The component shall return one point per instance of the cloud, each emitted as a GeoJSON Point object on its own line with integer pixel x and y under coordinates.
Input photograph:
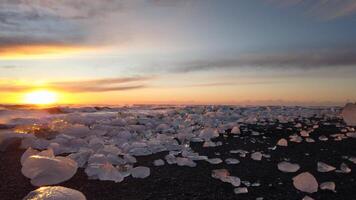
{"type": "Point", "coordinates": [94, 85]}
{"type": "Point", "coordinates": [324, 9]}
{"type": "Point", "coordinates": [51, 22]}
{"type": "Point", "coordinates": [292, 60]}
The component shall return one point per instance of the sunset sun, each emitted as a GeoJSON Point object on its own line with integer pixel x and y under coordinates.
{"type": "Point", "coordinates": [41, 97]}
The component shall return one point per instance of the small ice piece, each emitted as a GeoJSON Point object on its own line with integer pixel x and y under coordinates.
{"type": "Point", "coordinates": [236, 130]}
{"type": "Point", "coordinates": [304, 133]}
{"type": "Point", "coordinates": [295, 138]}
{"type": "Point", "coordinates": [288, 167]}
{"type": "Point", "coordinates": [309, 140]}
{"type": "Point", "coordinates": [232, 161]}
{"type": "Point", "coordinates": [306, 182]}
{"type": "Point", "coordinates": [282, 142]}
{"type": "Point", "coordinates": [353, 159]}
{"type": "Point", "coordinates": [307, 198]}
{"type": "Point", "coordinates": [140, 172]}
{"type": "Point", "coordinates": [328, 186]}
{"type": "Point", "coordinates": [323, 138]}
{"type": "Point", "coordinates": [208, 133]}
{"type": "Point", "coordinates": [110, 173]}
{"type": "Point", "coordinates": [158, 162]}
{"type": "Point", "coordinates": [130, 159]}
{"type": "Point", "coordinates": [220, 173]}
{"type": "Point", "coordinates": [233, 180]}
{"type": "Point", "coordinates": [171, 159]}
{"type": "Point", "coordinates": [323, 167]}
{"type": "Point", "coordinates": [55, 193]}
{"type": "Point", "coordinates": [185, 162]}
{"type": "Point", "coordinates": [344, 169]}
{"type": "Point", "coordinates": [351, 134]}
{"type": "Point", "coordinates": [44, 170]}
{"type": "Point", "coordinates": [349, 114]}
{"type": "Point", "coordinates": [77, 130]}
{"type": "Point", "coordinates": [256, 156]}
{"type": "Point", "coordinates": [29, 152]}
{"type": "Point", "coordinates": [214, 161]}
{"type": "Point", "coordinates": [241, 190]}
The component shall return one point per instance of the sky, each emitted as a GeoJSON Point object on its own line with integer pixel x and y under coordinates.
{"type": "Point", "coordinates": [250, 52]}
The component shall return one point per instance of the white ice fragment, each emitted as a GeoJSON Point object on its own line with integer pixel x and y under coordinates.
{"type": "Point", "coordinates": [344, 169]}
{"type": "Point", "coordinates": [208, 133]}
{"type": "Point", "coordinates": [353, 159]}
{"type": "Point", "coordinates": [129, 159]}
{"type": "Point", "coordinates": [55, 193]}
{"type": "Point", "coordinates": [81, 157]}
{"type": "Point", "coordinates": [29, 152]}
{"type": "Point", "coordinates": [349, 114]}
{"type": "Point", "coordinates": [241, 190]}
{"type": "Point", "coordinates": [108, 172]}
{"type": "Point", "coordinates": [305, 182]}
{"type": "Point", "coordinates": [44, 170]}
{"type": "Point", "coordinates": [307, 198]}
{"type": "Point", "coordinates": [140, 172]}
{"type": "Point", "coordinates": [323, 138]}
{"type": "Point", "coordinates": [323, 167]}
{"type": "Point", "coordinates": [295, 138]}
{"type": "Point", "coordinates": [158, 162]}
{"type": "Point", "coordinates": [77, 130]}
{"type": "Point", "coordinates": [220, 173]}
{"type": "Point", "coordinates": [309, 140]}
{"type": "Point", "coordinates": [304, 133]}
{"type": "Point", "coordinates": [328, 186]}
{"type": "Point", "coordinates": [256, 156]}
{"type": "Point", "coordinates": [351, 134]}
{"type": "Point", "coordinates": [171, 159]}
{"type": "Point", "coordinates": [214, 161]}
{"type": "Point", "coordinates": [236, 130]}
{"type": "Point", "coordinates": [232, 161]}
{"type": "Point", "coordinates": [185, 162]}
{"type": "Point", "coordinates": [288, 167]}
{"type": "Point", "coordinates": [282, 142]}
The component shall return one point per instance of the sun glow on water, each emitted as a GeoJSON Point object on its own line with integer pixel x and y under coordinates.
{"type": "Point", "coordinates": [41, 97]}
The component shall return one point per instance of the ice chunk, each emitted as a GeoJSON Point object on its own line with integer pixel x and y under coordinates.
{"type": "Point", "coordinates": [109, 173]}
{"type": "Point", "coordinates": [353, 159]}
{"type": "Point", "coordinates": [158, 162]}
{"type": "Point", "coordinates": [241, 190]}
{"type": "Point", "coordinates": [307, 198]}
{"type": "Point", "coordinates": [43, 170]}
{"type": "Point", "coordinates": [304, 133]}
{"type": "Point", "coordinates": [349, 114]}
{"type": "Point", "coordinates": [208, 133]}
{"type": "Point", "coordinates": [232, 161]}
{"type": "Point", "coordinates": [77, 130]}
{"type": "Point", "coordinates": [185, 162]}
{"type": "Point", "coordinates": [140, 172]}
{"type": "Point", "coordinates": [288, 167]}
{"type": "Point", "coordinates": [295, 138]}
{"type": "Point", "coordinates": [55, 193]}
{"type": "Point", "coordinates": [29, 152]}
{"type": "Point", "coordinates": [214, 161]}
{"type": "Point", "coordinates": [344, 169]}
{"type": "Point", "coordinates": [224, 175]}
{"type": "Point", "coordinates": [236, 130]}
{"type": "Point", "coordinates": [256, 156]}
{"type": "Point", "coordinates": [220, 173]}
{"type": "Point", "coordinates": [305, 182]}
{"type": "Point", "coordinates": [282, 142]}
{"type": "Point", "coordinates": [328, 186]}
{"type": "Point", "coordinates": [351, 134]}
{"type": "Point", "coordinates": [323, 167]}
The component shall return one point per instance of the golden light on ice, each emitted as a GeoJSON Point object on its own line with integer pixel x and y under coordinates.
{"type": "Point", "coordinates": [41, 97]}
